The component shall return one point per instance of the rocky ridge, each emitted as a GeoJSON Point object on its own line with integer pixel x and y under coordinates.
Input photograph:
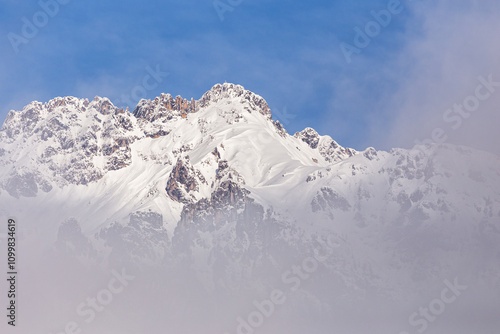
{"type": "Point", "coordinates": [217, 183]}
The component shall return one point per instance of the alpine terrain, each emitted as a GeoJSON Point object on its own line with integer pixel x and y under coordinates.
{"type": "Point", "coordinates": [229, 224]}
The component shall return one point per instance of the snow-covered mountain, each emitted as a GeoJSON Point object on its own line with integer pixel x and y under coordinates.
{"type": "Point", "coordinates": [218, 187]}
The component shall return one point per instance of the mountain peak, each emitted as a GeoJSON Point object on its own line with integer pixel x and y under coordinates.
{"type": "Point", "coordinates": [229, 91]}
{"type": "Point", "coordinates": [167, 107]}
{"type": "Point", "coordinates": [164, 106]}
{"type": "Point", "coordinates": [328, 148]}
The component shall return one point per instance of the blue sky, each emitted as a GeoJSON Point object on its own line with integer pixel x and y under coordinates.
{"type": "Point", "coordinates": [287, 51]}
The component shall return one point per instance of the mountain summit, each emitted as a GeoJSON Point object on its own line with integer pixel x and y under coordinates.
{"type": "Point", "coordinates": [74, 141]}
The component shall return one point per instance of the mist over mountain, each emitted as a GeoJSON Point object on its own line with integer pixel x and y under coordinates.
{"type": "Point", "coordinates": [213, 207]}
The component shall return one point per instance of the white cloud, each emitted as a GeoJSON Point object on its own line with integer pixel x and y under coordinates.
{"type": "Point", "coordinates": [458, 42]}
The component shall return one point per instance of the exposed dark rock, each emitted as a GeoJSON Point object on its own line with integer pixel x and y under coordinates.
{"type": "Point", "coordinates": [308, 136]}
{"type": "Point", "coordinates": [183, 180]}
{"type": "Point", "coordinates": [25, 185]}
{"type": "Point", "coordinates": [72, 242]}
{"type": "Point", "coordinates": [143, 239]}
{"type": "Point", "coordinates": [224, 91]}
{"type": "Point", "coordinates": [328, 199]}
{"type": "Point", "coordinates": [164, 106]}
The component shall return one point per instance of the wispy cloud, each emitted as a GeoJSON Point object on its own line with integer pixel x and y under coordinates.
{"type": "Point", "coordinates": [456, 42]}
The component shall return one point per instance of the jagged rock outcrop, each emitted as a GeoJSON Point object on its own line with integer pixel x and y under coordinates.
{"type": "Point", "coordinates": [243, 237]}
{"type": "Point", "coordinates": [329, 149]}
{"type": "Point", "coordinates": [326, 199]}
{"type": "Point", "coordinates": [26, 184]}
{"type": "Point", "coordinates": [164, 108]}
{"type": "Point", "coordinates": [183, 181]}
{"type": "Point", "coordinates": [143, 239]}
{"type": "Point", "coordinates": [227, 91]}
{"type": "Point", "coordinates": [153, 114]}
{"type": "Point", "coordinates": [71, 242]}
{"type": "Point", "coordinates": [75, 140]}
